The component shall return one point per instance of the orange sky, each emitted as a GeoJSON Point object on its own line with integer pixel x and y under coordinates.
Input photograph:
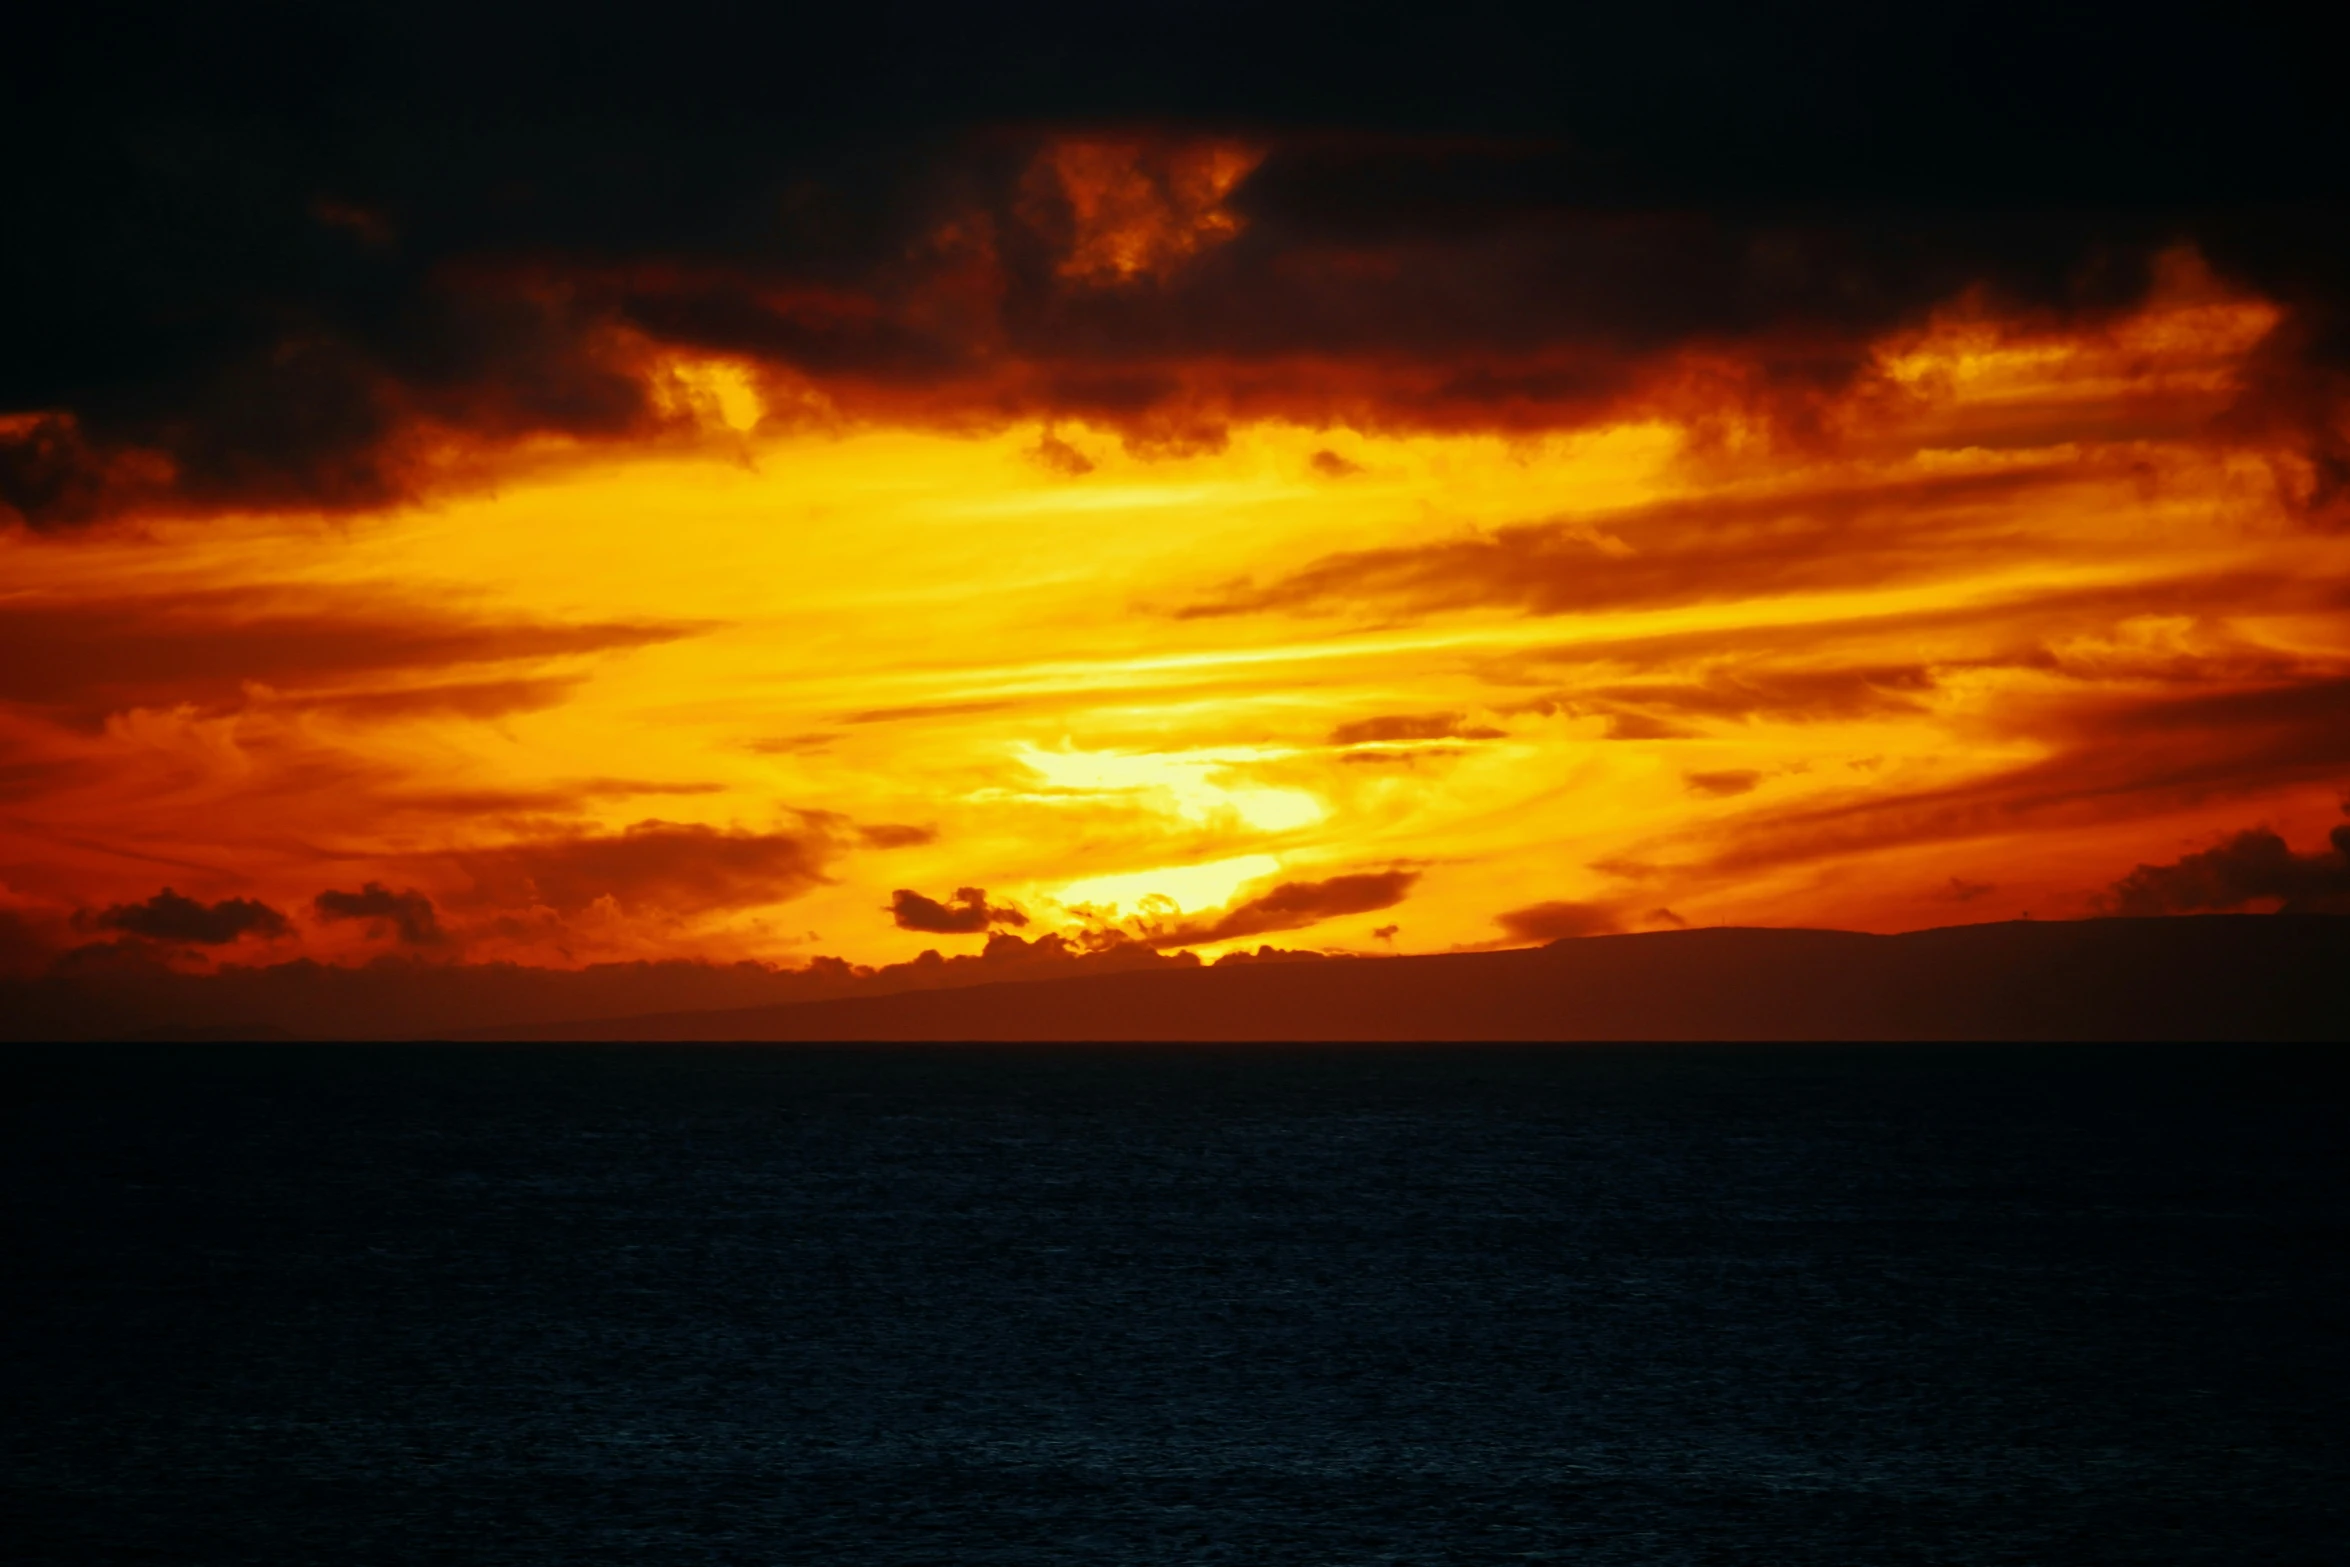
{"type": "Point", "coordinates": [2021, 604]}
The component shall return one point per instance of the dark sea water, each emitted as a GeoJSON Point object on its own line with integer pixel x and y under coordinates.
{"type": "Point", "coordinates": [715, 1305]}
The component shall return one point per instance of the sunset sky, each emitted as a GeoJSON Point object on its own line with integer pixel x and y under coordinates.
{"type": "Point", "coordinates": [558, 526]}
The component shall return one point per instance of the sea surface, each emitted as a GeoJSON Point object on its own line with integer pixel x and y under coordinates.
{"type": "Point", "coordinates": [638, 1304]}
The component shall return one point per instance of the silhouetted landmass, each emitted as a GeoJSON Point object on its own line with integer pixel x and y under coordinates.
{"type": "Point", "coordinates": [2229, 977]}
{"type": "Point", "coordinates": [2213, 976]}
{"type": "Point", "coordinates": [130, 991]}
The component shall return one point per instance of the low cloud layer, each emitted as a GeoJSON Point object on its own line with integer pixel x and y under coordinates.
{"type": "Point", "coordinates": [168, 916]}
{"type": "Point", "coordinates": [103, 993]}
{"type": "Point", "coordinates": [2251, 867]}
{"type": "Point", "coordinates": [1294, 905]}
{"type": "Point", "coordinates": [408, 915]}
{"type": "Point", "coordinates": [669, 867]}
{"type": "Point", "coordinates": [967, 913]}
{"type": "Point", "coordinates": [1557, 921]}
{"type": "Point", "coordinates": [366, 654]}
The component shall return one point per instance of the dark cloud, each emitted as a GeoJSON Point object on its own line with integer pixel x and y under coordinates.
{"type": "Point", "coordinates": [1270, 954]}
{"type": "Point", "coordinates": [1730, 781]}
{"type": "Point", "coordinates": [1557, 921]}
{"type": "Point", "coordinates": [892, 835]}
{"type": "Point", "coordinates": [1641, 726]}
{"type": "Point", "coordinates": [1808, 695]}
{"type": "Point", "coordinates": [170, 917]}
{"type": "Point", "coordinates": [672, 867]}
{"type": "Point", "coordinates": [48, 474]}
{"type": "Point", "coordinates": [2110, 758]}
{"type": "Point", "coordinates": [331, 261]}
{"type": "Point", "coordinates": [1411, 759]}
{"type": "Point", "coordinates": [1332, 466]}
{"type": "Point", "coordinates": [1835, 666]}
{"type": "Point", "coordinates": [2250, 867]}
{"type": "Point", "coordinates": [1061, 457]}
{"type": "Point", "coordinates": [1676, 552]}
{"type": "Point", "coordinates": [1411, 726]}
{"type": "Point", "coordinates": [477, 699]}
{"type": "Point", "coordinates": [1293, 905]}
{"type": "Point", "coordinates": [408, 914]}
{"type": "Point", "coordinates": [224, 650]}
{"type": "Point", "coordinates": [965, 914]}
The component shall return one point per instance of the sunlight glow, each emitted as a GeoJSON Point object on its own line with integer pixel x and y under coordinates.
{"type": "Point", "coordinates": [1187, 887]}
{"type": "Point", "coordinates": [1851, 679]}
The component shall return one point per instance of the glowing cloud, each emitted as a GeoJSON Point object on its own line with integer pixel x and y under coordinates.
{"type": "Point", "coordinates": [1198, 538]}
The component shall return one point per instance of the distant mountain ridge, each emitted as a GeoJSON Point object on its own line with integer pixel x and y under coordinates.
{"type": "Point", "coordinates": [2212, 976]}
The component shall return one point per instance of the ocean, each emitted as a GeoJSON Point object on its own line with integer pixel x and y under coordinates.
{"type": "Point", "coordinates": [1753, 1304]}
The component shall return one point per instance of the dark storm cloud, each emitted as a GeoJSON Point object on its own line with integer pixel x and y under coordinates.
{"type": "Point", "coordinates": [671, 867]}
{"type": "Point", "coordinates": [407, 914]}
{"type": "Point", "coordinates": [1293, 905]}
{"type": "Point", "coordinates": [330, 258]}
{"type": "Point", "coordinates": [965, 914]}
{"type": "Point", "coordinates": [2249, 867]}
{"type": "Point", "coordinates": [170, 917]}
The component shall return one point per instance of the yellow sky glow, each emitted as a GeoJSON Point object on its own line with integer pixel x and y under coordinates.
{"type": "Point", "coordinates": [1573, 667]}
